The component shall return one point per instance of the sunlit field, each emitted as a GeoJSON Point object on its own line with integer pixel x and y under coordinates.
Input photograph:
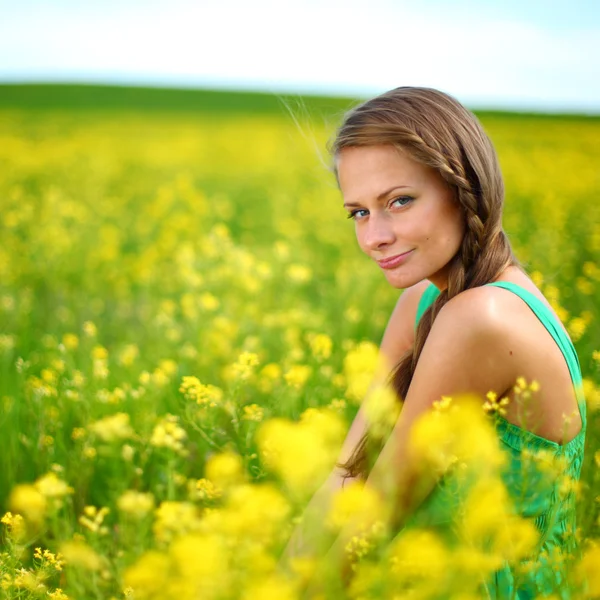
{"type": "Point", "coordinates": [187, 329]}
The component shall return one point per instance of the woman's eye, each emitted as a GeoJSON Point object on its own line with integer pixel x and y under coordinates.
{"type": "Point", "coordinates": [403, 200]}
{"type": "Point", "coordinates": [354, 213]}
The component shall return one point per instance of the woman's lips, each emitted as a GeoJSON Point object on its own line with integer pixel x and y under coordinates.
{"type": "Point", "coordinates": [394, 261]}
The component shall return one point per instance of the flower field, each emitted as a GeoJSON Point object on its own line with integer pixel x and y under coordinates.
{"type": "Point", "coordinates": [187, 329]}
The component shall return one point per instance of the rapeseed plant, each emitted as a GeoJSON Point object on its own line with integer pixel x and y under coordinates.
{"type": "Point", "coordinates": [191, 352]}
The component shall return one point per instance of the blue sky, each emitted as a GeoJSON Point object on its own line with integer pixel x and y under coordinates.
{"type": "Point", "coordinates": [527, 54]}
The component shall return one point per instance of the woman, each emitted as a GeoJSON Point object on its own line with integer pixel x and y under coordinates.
{"type": "Point", "coordinates": [421, 180]}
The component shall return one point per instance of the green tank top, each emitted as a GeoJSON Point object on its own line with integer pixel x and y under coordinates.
{"type": "Point", "coordinates": [553, 512]}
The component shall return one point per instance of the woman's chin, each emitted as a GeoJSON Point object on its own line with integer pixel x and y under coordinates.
{"type": "Point", "coordinates": [399, 281]}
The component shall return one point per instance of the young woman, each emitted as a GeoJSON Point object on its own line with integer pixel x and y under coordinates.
{"type": "Point", "coordinates": [421, 180]}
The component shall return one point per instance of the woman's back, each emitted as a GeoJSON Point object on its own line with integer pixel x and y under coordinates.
{"type": "Point", "coordinates": [552, 509]}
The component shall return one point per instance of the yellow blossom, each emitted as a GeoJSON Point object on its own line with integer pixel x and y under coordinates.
{"type": "Point", "coordinates": [320, 345]}
{"type": "Point", "coordinates": [90, 329]}
{"type": "Point", "coordinates": [148, 574]}
{"type": "Point", "coordinates": [173, 519]}
{"type": "Point", "coordinates": [15, 525]}
{"type": "Point", "coordinates": [204, 489]}
{"type": "Point", "coordinates": [381, 410]}
{"type": "Point", "coordinates": [135, 504]}
{"type": "Point", "coordinates": [299, 273]}
{"type": "Point", "coordinates": [243, 368]}
{"type": "Point", "coordinates": [493, 405]}
{"type": "Point", "coordinates": [356, 505]}
{"type": "Point", "coordinates": [253, 412]}
{"type": "Point", "coordinates": [225, 469]}
{"type": "Point", "coordinates": [272, 587]}
{"type": "Point", "coordinates": [79, 555]}
{"type": "Point", "coordinates": [128, 355]}
{"type": "Point", "coordinates": [114, 428]}
{"type": "Point", "coordinates": [300, 453]}
{"type": "Point", "coordinates": [418, 556]}
{"type": "Point", "coordinates": [93, 519]}
{"type": "Point", "coordinates": [297, 375]}
{"type": "Point", "coordinates": [203, 394]}
{"type": "Point", "coordinates": [167, 433]}
{"type": "Point", "coordinates": [52, 487]}
{"type": "Point", "coordinates": [208, 301]}
{"type": "Point", "coordinates": [70, 341]}
{"type": "Point", "coordinates": [361, 364]}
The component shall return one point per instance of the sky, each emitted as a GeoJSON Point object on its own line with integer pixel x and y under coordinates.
{"type": "Point", "coordinates": [507, 54]}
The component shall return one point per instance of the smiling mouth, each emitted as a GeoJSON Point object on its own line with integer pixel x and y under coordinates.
{"type": "Point", "coordinates": [394, 261]}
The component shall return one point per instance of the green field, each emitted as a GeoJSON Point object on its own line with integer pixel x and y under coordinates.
{"type": "Point", "coordinates": [152, 236]}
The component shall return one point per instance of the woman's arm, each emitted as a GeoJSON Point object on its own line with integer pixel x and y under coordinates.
{"type": "Point", "coordinates": [467, 351]}
{"type": "Point", "coordinates": [397, 338]}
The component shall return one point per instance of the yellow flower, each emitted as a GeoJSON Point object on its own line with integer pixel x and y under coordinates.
{"type": "Point", "coordinates": [49, 559]}
{"type": "Point", "coordinates": [93, 518]}
{"type": "Point", "coordinates": [268, 375]}
{"type": "Point", "coordinates": [361, 364]}
{"type": "Point", "coordinates": [459, 434]}
{"type": "Point", "coordinates": [300, 453]}
{"type": "Point", "coordinates": [79, 555]}
{"type": "Point", "coordinates": [297, 375]}
{"type": "Point", "coordinates": [135, 504]}
{"type": "Point", "coordinates": [128, 355]}
{"type": "Point", "coordinates": [114, 428]}
{"type": "Point", "coordinates": [208, 301]}
{"type": "Point", "coordinates": [90, 329]}
{"type": "Point", "coordinates": [208, 578]}
{"type": "Point", "coordinates": [299, 273]}
{"type": "Point", "coordinates": [99, 353]}
{"type": "Point", "coordinates": [225, 469]}
{"type": "Point", "coordinates": [253, 412]}
{"type": "Point", "coordinates": [204, 489]}
{"type": "Point", "coordinates": [174, 519]}
{"type": "Point", "coordinates": [70, 341]}
{"type": "Point", "coordinates": [591, 393]}
{"type": "Point", "coordinates": [257, 512]}
{"type": "Point", "coordinates": [356, 505]}
{"type": "Point", "coordinates": [338, 405]}
{"type": "Point", "coordinates": [148, 575]}
{"type": "Point", "coordinates": [15, 525]}
{"type": "Point", "coordinates": [493, 405]}
{"type": "Point", "coordinates": [205, 395]}
{"type": "Point", "coordinates": [168, 434]}
{"type": "Point", "coordinates": [243, 368]}
{"type": "Point", "coordinates": [419, 556]}
{"type": "Point", "coordinates": [577, 327]}
{"type": "Point", "coordinates": [50, 486]}
{"type": "Point", "coordinates": [381, 410]}
{"type": "Point", "coordinates": [588, 569]}
{"type": "Point", "coordinates": [320, 345]}
{"type": "Point", "coordinates": [272, 587]}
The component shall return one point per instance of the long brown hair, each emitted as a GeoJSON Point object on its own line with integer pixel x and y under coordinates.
{"type": "Point", "coordinates": [434, 129]}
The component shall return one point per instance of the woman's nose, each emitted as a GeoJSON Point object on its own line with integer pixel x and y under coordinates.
{"type": "Point", "coordinates": [378, 233]}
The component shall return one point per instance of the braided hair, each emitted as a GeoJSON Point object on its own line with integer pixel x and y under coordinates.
{"type": "Point", "coordinates": [434, 129]}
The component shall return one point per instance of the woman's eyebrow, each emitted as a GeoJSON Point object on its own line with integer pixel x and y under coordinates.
{"type": "Point", "coordinates": [380, 197]}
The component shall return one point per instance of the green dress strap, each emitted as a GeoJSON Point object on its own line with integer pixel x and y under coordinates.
{"type": "Point", "coordinates": [427, 298]}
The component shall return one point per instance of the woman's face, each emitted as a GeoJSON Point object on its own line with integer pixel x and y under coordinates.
{"type": "Point", "coordinates": [401, 207]}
